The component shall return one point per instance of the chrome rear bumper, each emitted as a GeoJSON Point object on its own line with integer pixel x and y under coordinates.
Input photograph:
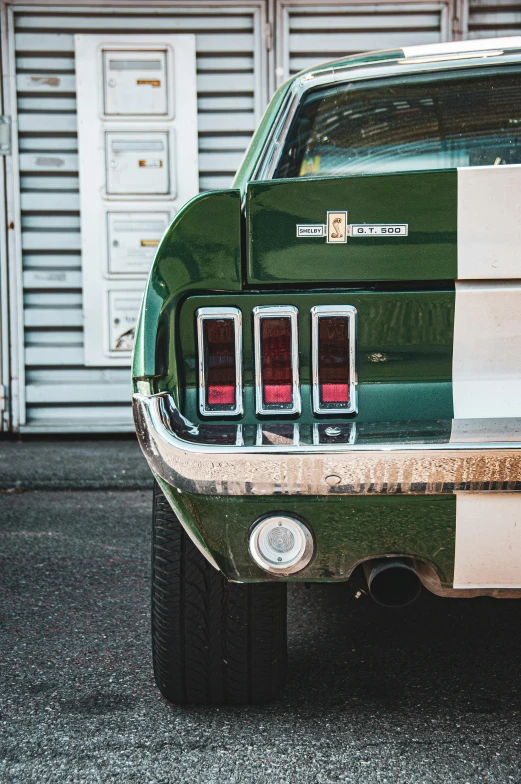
{"type": "Point", "coordinates": [481, 456]}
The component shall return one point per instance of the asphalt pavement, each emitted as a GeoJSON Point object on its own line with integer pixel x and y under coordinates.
{"type": "Point", "coordinates": [430, 693]}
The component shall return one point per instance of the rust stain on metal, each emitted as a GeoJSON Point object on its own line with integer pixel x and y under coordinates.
{"type": "Point", "coordinates": [50, 81]}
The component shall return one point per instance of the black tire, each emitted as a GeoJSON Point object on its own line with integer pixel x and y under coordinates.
{"type": "Point", "coordinates": [213, 641]}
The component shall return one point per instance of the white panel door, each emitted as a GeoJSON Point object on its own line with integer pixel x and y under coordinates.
{"type": "Point", "coordinates": [137, 140]}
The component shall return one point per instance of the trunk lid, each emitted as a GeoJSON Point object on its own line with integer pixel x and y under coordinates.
{"type": "Point", "coordinates": [403, 228]}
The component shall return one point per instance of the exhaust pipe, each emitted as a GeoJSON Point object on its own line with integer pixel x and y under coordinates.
{"type": "Point", "coordinates": [392, 582]}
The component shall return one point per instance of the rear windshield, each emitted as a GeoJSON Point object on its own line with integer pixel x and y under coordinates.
{"type": "Point", "coordinates": [434, 121]}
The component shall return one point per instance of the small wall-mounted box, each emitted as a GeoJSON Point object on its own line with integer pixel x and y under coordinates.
{"type": "Point", "coordinates": [133, 238]}
{"type": "Point", "coordinates": [138, 164]}
{"type": "Point", "coordinates": [136, 83]}
{"type": "Point", "coordinates": [123, 314]}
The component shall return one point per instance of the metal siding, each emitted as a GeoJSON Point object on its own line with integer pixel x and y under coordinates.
{"type": "Point", "coordinates": [492, 18]}
{"type": "Point", "coordinates": [309, 33]}
{"type": "Point", "coordinates": [4, 300]}
{"type": "Point", "coordinates": [60, 393]}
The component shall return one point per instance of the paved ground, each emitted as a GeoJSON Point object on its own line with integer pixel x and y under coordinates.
{"type": "Point", "coordinates": [427, 694]}
{"type": "Point", "coordinates": [73, 465]}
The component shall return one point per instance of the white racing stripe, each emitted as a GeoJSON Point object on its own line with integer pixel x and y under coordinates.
{"type": "Point", "coordinates": [488, 540]}
{"type": "Point", "coordinates": [486, 367]}
{"type": "Point", "coordinates": [486, 361]}
{"type": "Point", "coordinates": [485, 431]}
{"type": "Point", "coordinates": [455, 47]}
{"type": "Point", "coordinates": [489, 222]}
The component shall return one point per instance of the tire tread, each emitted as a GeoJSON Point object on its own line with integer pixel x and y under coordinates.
{"type": "Point", "coordinates": [213, 641]}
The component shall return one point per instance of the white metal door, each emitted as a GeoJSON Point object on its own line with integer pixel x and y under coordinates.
{"type": "Point", "coordinates": [310, 33]}
{"type": "Point", "coordinates": [58, 392]}
{"type": "Point", "coordinates": [137, 136]}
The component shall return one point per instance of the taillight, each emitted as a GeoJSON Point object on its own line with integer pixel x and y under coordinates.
{"type": "Point", "coordinates": [276, 359]}
{"type": "Point", "coordinates": [333, 352]}
{"type": "Point", "coordinates": [219, 338]}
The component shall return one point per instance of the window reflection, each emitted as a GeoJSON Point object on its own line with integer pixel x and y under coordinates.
{"type": "Point", "coordinates": [433, 121]}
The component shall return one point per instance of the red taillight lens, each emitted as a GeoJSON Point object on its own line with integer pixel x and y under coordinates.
{"type": "Point", "coordinates": [221, 371]}
{"type": "Point", "coordinates": [333, 361]}
{"type": "Point", "coordinates": [219, 340]}
{"type": "Point", "coordinates": [276, 359]}
{"type": "Point", "coordinates": [277, 373]}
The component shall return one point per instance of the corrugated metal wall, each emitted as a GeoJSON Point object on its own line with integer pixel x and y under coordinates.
{"type": "Point", "coordinates": [488, 18]}
{"type": "Point", "coordinates": [308, 34]}
{"type": "Point", "coordinates": [62, 394]}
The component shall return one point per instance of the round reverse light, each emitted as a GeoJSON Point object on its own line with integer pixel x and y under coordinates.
{"type": "Point", "coordinates": [281, 544]}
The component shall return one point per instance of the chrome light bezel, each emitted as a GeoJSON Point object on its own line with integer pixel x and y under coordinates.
{"type": "Point", "coordinates": [215, 314]}
{"type": "Point", "coordinates": [332, 311]}
{"type": "Point", "coordinates": [261, 430]}
{"type": "Point", "coordinates": [276, 311]}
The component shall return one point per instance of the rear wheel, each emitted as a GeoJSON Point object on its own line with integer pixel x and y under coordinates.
{"type": "Point", "coordinates": [212, 641]}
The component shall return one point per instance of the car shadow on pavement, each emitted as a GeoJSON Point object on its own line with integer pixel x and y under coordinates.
{"type": "Point", "coordinates": [428, 693]}
{"type": "Point", "coordinates": [460, 654]}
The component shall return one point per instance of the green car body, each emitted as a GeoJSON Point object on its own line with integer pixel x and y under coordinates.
{"type": "Point", "coordinates": [238, 249]}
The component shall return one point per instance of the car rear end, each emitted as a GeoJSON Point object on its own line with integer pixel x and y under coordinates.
{"type": "Point", "coordinates": [327, 371]}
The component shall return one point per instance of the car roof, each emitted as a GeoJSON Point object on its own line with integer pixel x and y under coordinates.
{"type": "Point", "coordinates": [432, 52]}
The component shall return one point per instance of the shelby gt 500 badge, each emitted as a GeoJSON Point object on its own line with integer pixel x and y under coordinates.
{"type": "Point", "coordinates": [337, 229]}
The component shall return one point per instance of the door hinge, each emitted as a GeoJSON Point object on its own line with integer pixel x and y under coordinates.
{"type": "Point", "coordinates": [2, 397]}
{"type": "Point", "coordinates": [5, 135]}
{"type": "Point", "coordinates": [268, 36]}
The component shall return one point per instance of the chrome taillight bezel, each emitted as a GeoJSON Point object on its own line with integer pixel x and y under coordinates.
{"type": "Point", "coordinates": [219, 313]}
{"type": "Point", "coordinates": [321, 436]}
{"type": "Point", "coordinates": [276, 311]}
{"type": "Point", "coordinates": [332, 311]}
{"type": "Point", "coordinates": [293, 428]}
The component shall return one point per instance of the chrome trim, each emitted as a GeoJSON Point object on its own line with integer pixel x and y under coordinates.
{"type": "Point", "coordinates": [299, 561]}
{"type": "Point", "coordinates": [351, 439]}
{"type": "Point", "coordinates": [276, 311]}
{"type": "Point", "coordinates": [269, 159]}
{"type": "Point", "coordinates": [168, 442]}
{"type": "Point", "coordinates": [330, 311]}
{"type": "Point", "coordinates": [259, 433]}
{"type": "Point", "coordinates": [210, 314]}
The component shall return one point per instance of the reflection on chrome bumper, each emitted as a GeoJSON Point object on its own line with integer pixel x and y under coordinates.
{"type": "Point", "coordinates": [217, 461]}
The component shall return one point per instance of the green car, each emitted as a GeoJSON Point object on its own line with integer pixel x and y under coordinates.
{"type": "Point", "coordinates": [327, 369]}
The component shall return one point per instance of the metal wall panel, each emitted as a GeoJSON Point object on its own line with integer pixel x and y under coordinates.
{"type": "Point", "coordinates": [60, 393]}
{"type": "Point", "coordinates": [310, 33]}
{"type": "Point", "coordinates": [4, 300]}
{"type": "Point", "coordinates": [51, 389]}
{"type": "Point", "coordinates": [491, 18]}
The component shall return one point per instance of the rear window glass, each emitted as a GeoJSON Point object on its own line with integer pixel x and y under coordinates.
{"type": "Point", "coordinates": [434, 121]}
